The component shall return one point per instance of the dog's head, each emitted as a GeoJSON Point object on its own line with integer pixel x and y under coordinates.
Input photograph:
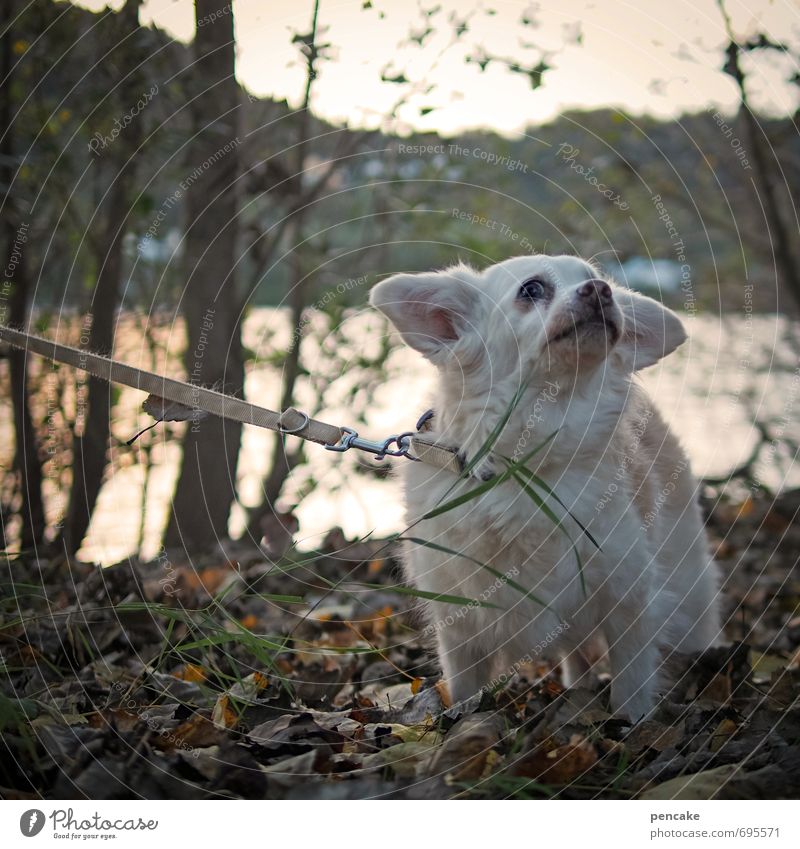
{"type": "Point", "coordinates": [531, 320]}
{"type": "Point", "coordinates": [549, 315]}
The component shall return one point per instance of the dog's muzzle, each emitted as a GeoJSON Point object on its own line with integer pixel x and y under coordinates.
{"type": "Point", "coordinates": [593, 308]}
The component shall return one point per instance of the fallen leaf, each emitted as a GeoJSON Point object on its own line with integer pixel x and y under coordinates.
{"type": "Point", "coordinates": [198, 732]}
{"type": "Point", "coordinates": [559, 765]}
{"type": "Point", "coordinates": [404, 758]}
{"type": "Point", "coordinates": [191, 672]}
{"type": "Point", "coordinates": [717, 691]}
{"type": "Point", "coordinates": [783, 689]}
{"type": "Point", "coordinates": [222, 716]}
{"type": "Point", "coordinates": [121, 720]}
{"type": "Point", "coordinates": [722, 733]}
{"type": "Point", "coordinates": [406, 733]}
{"type": "Point", "coordinates": [552, 688]}
{"type": "Point", "coordinates": [444, 694]}
{"type": "Point", "coordinates": [249, 687]}
{"type": "Point", "coordinates": [701, 785]}
{"type": "Point", "coordinates": [775, 522]}
{"type": "Point", "coordinates": [163, 410]}
{"type": "Point", "coordinates": [295, 733]}
{"type": "Point", "coordinates": [654, 735]}
{"type": "Point", "coordinates": [764, 663]}
{"type": "Point", "coordinates": [725, 550]}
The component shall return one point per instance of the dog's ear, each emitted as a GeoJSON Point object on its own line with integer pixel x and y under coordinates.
{"type": "Point", "coordinates": [431, 311]}
{"type": "Point", "coordinates": [650, 331]}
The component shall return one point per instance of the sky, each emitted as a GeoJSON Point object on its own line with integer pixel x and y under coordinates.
{"type": "Point", "coordinates": [650, 56]}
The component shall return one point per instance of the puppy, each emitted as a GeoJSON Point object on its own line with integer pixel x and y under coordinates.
{"type": "Point", "coordinates": [549, 340]}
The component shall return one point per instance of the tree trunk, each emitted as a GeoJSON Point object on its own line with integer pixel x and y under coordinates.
{"type": "Point", "coordinates": [27, 459]}
{"type": "Point", "coordinates": [27, 462]}
{"type": "Point", "coordinates": [779, 234]}
{"type": "Point", "coordinates": [778, 230]}
{"type": "Point", "coordinates": [211, 305]}
{"type": "Point", "coordinates": [90, 448]}
{"type": "Point", "coordinates": [283, 462]}
{"type": "Point", "coordinates": [89, 455]}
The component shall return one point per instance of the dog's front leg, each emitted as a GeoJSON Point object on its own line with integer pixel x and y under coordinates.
{"type": "Point", "coordinates": [633, 629]}
{"type": "Point", "coordinates": [634, 655]}
{"type": "Point", "coordinates": [465, 666]}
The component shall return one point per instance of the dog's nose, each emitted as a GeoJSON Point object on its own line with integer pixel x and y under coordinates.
{"type": "Point", "coordinates": [596, 290]}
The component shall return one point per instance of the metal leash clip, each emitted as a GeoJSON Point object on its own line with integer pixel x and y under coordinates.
{"type": "Point", "coordinates": [351, 439]}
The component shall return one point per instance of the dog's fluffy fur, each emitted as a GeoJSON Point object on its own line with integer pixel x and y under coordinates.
{"type": "Point", "coordinates": [575, 342]}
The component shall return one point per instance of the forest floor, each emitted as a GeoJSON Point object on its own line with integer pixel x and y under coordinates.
{"type": "Point", "coordinates": [312, 680]}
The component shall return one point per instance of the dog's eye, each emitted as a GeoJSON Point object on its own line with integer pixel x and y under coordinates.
{"type": "Point", "coordinates": [532, 290]}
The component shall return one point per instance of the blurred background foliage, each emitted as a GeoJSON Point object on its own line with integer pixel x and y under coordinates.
{"type": "Point", "coordinates": [124, 149]}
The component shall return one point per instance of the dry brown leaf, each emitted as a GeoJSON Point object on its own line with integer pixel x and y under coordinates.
{"type": "Point", "coordinates": [198, 732]}
{"type": "Point", "coordinates": [374, 566]}
{"type": "Point", "coordinates": [222, 716]}
{"type": "Point", "coordinates": [701, 785]}
{"type": "Point", "coordinates": [774, 521]}
{"type": "Point", "coordinates": [122, 720]}
{"type": "Point", "coordinates": [190, 672]}
{"type": "Point", "coordinates": [209, 579]}
{"type": "Point", "coordinates": [552, 688]}
{"type": "Point", "coordinates": [717, 691]}
{"type": "Point", "coordinates": [764, 664]}
{"type": "Point", "coordinates": [783, 688]}
{"type": "Point", "coordinates": [725, 550]}
{"type": "Point", "coordinates": [654, 735]}
{"type": "Point", "coordinates": [444, 694]}
{"type": "Point", "coordinates": [557, 764]}
{"type": "Point", "coordinates": [477, 762]}
{"type": "Point", "coordinates": [163, 410]}
{"type": "Point", "coordinates": [723, 732]}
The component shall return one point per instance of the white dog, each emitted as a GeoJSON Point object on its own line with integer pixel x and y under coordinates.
{"type": "Point", "coordinates": [568, 344]}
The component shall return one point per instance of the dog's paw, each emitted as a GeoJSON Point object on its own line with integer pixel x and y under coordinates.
{"type": "Point", "coordinates": [636, 709]}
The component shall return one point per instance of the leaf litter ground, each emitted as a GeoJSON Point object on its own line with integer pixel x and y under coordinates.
{"type": "Point", "coordinates": [312, 679]}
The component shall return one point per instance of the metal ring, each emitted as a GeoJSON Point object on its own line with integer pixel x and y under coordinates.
{"type": "Point", "coordinates": [300, 427]}
{"type": "Point", "coordinates": [348, 434]}
{"type": "Point", "coordinates": [404, 445]}
{"type": "Point", "coordinates": [424, 419]}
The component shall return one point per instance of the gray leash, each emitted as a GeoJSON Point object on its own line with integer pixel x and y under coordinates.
{"type": "Point", "coordinates": [165, 393]}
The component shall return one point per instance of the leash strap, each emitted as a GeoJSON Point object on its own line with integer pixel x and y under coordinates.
{"type": "Point", "coordinates": [428, 451]}
{"type": "Point", "coordinates": [199, 398]}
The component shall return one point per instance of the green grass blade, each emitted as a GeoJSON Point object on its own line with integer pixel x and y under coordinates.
{"type": "Point", "coordinates": [512, 583]}
{"type": "Point", "coordinates": [444, 597]}
{"type": "Point", "coordinates": [542, 484]}
{"type": "Point", "coordinates": [486, 486]}
{"type": "Point", "coordinates": [225, 637]}
{"type": "Point", "coordinates": [494, 435]}
{"type": "Point", "coordinates": [537, 499]}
